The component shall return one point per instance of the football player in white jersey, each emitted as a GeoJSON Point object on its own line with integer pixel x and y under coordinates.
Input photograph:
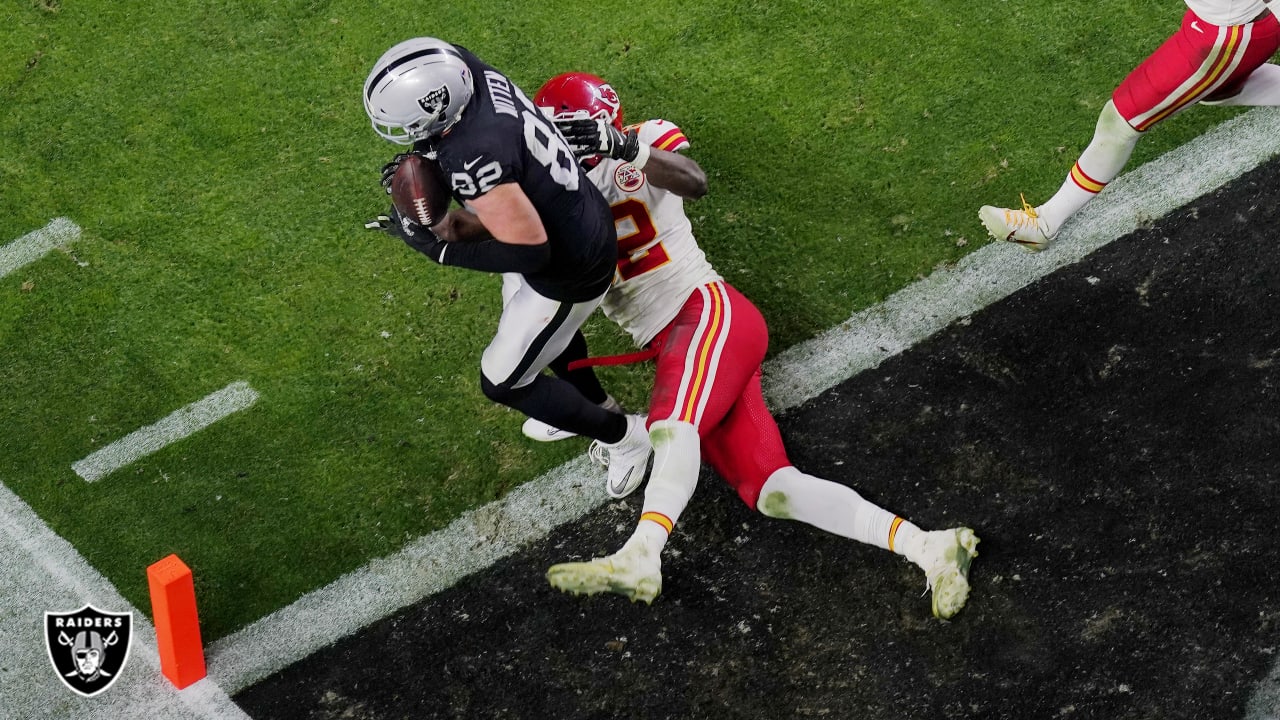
{"type": "Point", "coordinates": [708, 342]}
{"type": "Point", "coordinates": [1217, 57]}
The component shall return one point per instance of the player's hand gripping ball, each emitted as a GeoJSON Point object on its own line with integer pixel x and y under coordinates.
{"type": "Point", "coordinates": [418, 189]}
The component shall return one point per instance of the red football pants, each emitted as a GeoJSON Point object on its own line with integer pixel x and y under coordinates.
{"type": "Point", "coordinates": [708, 375]}
{"type": "Point", "coordinates": [1200, 61]}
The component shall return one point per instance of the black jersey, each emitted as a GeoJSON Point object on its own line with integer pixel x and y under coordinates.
{"type": "Point", "coordinates": [502, 137]}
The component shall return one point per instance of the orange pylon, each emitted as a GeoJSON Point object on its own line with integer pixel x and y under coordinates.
{"type": "Point", "coordinates": [173, 609]}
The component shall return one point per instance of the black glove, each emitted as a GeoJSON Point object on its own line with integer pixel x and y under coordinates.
{"type": "Point", "coordinates": [414, 235]}
{"type": "Point", "coordinates": [389, 171]}
{"type": "Point", "coordinates": [598, 137]}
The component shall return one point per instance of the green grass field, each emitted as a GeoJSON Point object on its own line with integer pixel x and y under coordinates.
{"type": "Point", "coordinates": [218, 159]}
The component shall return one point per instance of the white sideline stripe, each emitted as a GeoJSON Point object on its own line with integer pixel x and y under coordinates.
{"type": "Point", "coordinates": [479, 538]}
{"type": "Point", "coordinates": [425, 566]}
{"type": "Point", "coordinates": [43, 572]}
{"type": "Point", "coordinates": [35, 244]}
{"type": "Point", "coordinates": [993, 273]}
{"type": "Point", "coordinates": [1265, 703]}
{"type": "Point", "coordinates": [177, 425]}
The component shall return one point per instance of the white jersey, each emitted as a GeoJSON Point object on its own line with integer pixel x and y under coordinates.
{"type": "Point", "coordinates": [660, 263]}
{"type": "Point", "coordinates": [1227, 12]}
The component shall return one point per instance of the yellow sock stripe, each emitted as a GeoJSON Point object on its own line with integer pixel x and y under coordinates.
{"type": "Point", "coordinates": [659, 518]}
{"type": "Point", "coordinates": [687, 414]}
{"type": "Point", "coordinates": [1085, 182]}
{"type": "Point", "coordinates": [893, 531]}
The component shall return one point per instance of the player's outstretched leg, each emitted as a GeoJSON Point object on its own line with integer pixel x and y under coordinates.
{"type": "Point", "coordinates": [945, 555]}
{"type": "Point", "coordinates": [635, 572]}
{"type": "Point", "coordinates": [1034, 228]}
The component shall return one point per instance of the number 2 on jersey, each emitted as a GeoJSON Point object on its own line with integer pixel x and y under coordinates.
{"type": "Point", "coordinates": [633, 257]}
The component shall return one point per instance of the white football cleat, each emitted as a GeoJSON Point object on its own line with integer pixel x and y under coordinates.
{"type": "Point", "coordinates": [627, 459]}
{"type": "Point", "coordinates": [1023, 227]}
{"type": "Point", "coordinates": [945, 555]}
{"type": "Point", "coordinates": [542, 432]}
{"type": "Point", "coordinates": [633, 572]}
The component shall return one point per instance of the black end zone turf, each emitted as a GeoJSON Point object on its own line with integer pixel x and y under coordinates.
{"type": "Point", "coordinates": [1111, 434]}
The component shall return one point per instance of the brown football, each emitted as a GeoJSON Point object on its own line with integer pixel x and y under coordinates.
{"type": "Point", "coordinates": [419, 190]}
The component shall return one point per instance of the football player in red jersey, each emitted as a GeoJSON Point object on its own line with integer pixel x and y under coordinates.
{"type": "Point", "coordinates": [709, 342]}
{"type": "Point", "coordinates": [1217, 57]}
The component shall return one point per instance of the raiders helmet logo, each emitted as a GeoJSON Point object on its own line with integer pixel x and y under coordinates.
{"type": "Point", "coordinates": [88, 647]}
{"type": "Point", "coordinates": [435, 102]}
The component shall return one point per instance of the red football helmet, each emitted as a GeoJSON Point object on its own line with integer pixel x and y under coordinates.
{"type": "Point", "coordinates": [575, 95]}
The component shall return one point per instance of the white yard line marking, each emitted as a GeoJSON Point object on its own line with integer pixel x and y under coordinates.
{"type": "Point", "coordinates": [43, 572]}
{"type": "Point", "coordinates": [177, 425]}
{"type": "Point", "coordinates": [481, 537]}
{"type": "Point", "coordinates": [35, 244]}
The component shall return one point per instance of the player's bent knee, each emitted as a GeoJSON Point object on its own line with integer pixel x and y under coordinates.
{"type": "Point", "coordinates": [501, 393]}
{"type": "Point", "coordinates": [1113, 125]}
{"type": "Point", "coordinates": [663, 432]}
{"type": "Point", "coordinates": [775, 504]}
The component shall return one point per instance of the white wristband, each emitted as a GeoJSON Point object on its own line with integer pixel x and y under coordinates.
{"type": "Point", "coordinates": [642, 157]}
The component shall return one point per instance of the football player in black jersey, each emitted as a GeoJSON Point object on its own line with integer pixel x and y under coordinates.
{"type": "Point", "coordinates": [528, 209]}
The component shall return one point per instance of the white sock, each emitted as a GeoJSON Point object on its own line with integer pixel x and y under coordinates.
{"type": "Point", "coordinates": [1261, 88]}
{"type": "Point", "coordinates": [677, 458]}
{"type": "Point", "coordinates": [1099, 164]}
{"type": "Point", "coordinates": [792, 495]}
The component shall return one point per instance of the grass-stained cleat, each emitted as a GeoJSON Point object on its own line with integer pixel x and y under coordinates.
{"type": "Point", "coordinates": [631, 572]}
{"type": "Point", "coordinates": [945, 556]}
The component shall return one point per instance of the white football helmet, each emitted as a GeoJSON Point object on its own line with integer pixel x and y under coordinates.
{"type": "Point", "coordinates": [417, 90]}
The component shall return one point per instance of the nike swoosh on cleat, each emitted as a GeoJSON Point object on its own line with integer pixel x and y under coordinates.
{"type": "Point", "coordinates": [1023, 243]}
{"type": "Point", "coordinates": [619, 487]}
